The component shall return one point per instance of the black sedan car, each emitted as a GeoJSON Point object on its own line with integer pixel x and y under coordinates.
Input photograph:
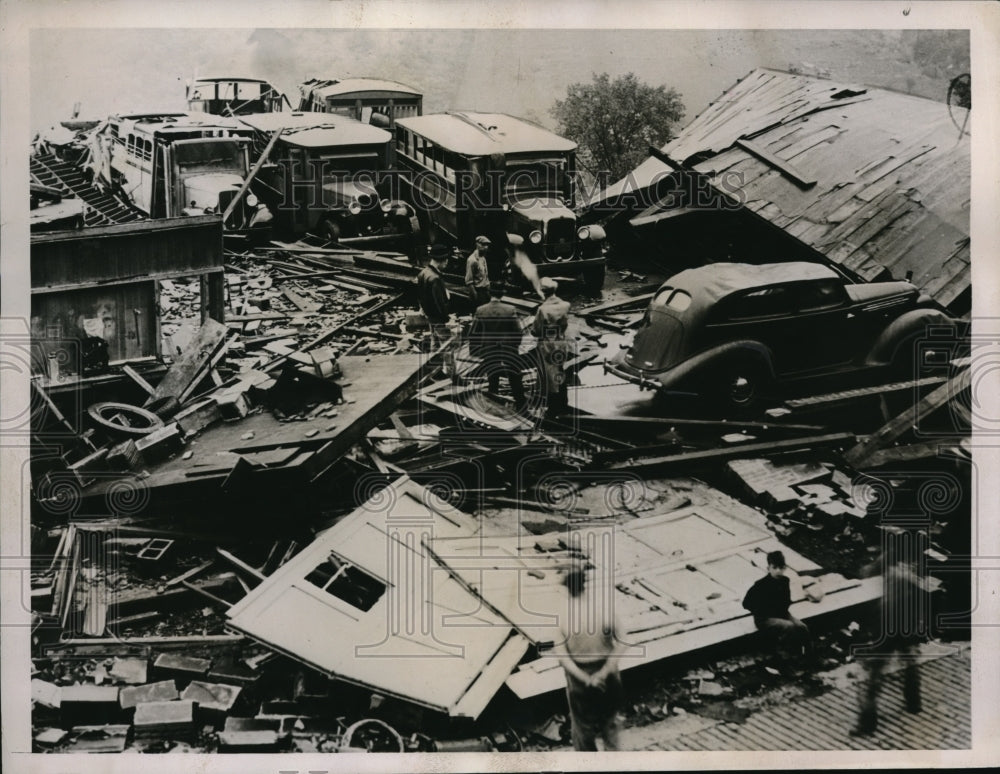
{"type": "Point", "coordinates": [736, 332]}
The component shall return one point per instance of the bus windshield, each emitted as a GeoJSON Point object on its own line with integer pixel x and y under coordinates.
{"type": "Point", "coordinates": [217, 155]}
{"type": "Point", "coordinates": [337, 166]}
{"type": "Point", "coordinates": [548, 175]}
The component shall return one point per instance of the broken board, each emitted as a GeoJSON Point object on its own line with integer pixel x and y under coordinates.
{"type": "Point", "coordinates": [365, 603]}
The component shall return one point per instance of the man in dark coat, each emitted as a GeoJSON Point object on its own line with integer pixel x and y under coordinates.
{"type": "Point", "coordinates": [495, 336]}
{"type": "Point", "coordinates": [551, 321]}
{"type": "Point", "coordinates": [901, 620]}
{"type": "Point", "coordinates": [433, 294]}
{"type": "Point", "coordinates": [768, 599]}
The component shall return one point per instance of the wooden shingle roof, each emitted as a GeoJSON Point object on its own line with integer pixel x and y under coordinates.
{"type": "Point", "coordinates": [873, 180]}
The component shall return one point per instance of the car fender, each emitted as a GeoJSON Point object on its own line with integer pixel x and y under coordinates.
{"type": "Point", "coordinates": [908, 324]}
{"type": "Point", "coordinates": [710, 359]}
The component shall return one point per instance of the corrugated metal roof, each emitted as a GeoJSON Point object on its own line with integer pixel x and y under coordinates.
{"type": "Point", "coordinates": [480, 134]}
{"type": "Point", "coordinates": [872, 179]}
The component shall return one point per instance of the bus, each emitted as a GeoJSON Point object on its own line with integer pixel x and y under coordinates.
{"type": "Point", "coordinates": [326, 176]}
{"type": "Point", "coordinates": [234, 96]}
{"type": "Point", "coordinates": [369, 100]}
{"type": "Point", "coordinates": [173, 164]}
{"type": "Point", "coordinates": [488, 173]}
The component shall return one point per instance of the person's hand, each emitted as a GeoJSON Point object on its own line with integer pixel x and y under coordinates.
{"type": "Point", "coordinates": [596, 680]}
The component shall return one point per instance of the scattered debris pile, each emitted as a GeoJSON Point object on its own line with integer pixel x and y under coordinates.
{"type": "Point", "coordinates": [183, 604]}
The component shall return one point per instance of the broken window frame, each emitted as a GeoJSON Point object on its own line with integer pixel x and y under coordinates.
{"type": "Point", "coordinates": [344, 570]}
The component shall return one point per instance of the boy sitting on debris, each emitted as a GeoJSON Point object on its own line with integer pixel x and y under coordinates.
{"type": "Point", "coordinates": [768, 599]}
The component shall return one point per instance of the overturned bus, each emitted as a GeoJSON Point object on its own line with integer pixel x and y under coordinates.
{"type": "Point", "coordinates": [369, 100]}
{"type": "Point", "coordinates": [325, 175]}
{"type": "Point", "coordinates": [173, 164]}
{"type": "Point", "coordinates": [486, 173]}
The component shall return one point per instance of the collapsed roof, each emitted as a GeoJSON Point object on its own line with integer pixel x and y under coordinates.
{"type": "Point", "coordinates": [874, 181]}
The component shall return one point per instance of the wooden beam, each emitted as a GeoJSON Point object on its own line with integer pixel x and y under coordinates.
{"type": "Point", "coordinates": [190, 573]}
{"type": "Point", "coordinates": [240, 565]}
{"type": "Point", "coordinates": [193, 363]}
{"type": "Point", "coordinates": [253, 173]}
{"type": "Point", "coordinates": [799, 178]}
{"type": "Point", "coordinates": [134, 375]}
{"type": "Point", "coordinates": [735, 452]}
{"type": "Point", "coordinates": [909, 420]}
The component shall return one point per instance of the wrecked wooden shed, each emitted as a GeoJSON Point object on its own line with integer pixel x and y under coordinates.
{"type": "Point", "coordinates": [364, 603]}
{"type": "Point", "coordinates": [875, 182]}
{"type": "Point", "coordinates": [103, 283]}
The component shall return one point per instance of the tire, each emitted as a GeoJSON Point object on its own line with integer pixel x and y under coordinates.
{"type": "Point", "coordinates": [330, 230]}
{"type": "Point", "coordinates": [102, 414]}
{"type": "Point", "coordinates": [740, 385]}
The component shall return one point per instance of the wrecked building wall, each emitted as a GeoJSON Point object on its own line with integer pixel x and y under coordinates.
{"type": "Point", "coordinates": [99, 284]}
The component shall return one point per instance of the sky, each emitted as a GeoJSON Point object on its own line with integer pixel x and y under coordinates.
{"type": "Point", "coordinates": [520, 71]}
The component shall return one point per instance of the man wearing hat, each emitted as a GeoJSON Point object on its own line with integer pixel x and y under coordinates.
{"type": "Point", "coordinates": [433, 294]}
{"type": "Point", "coordinates": [495, 337]}
{"type": "Point", "coordinates": [549, 327]}
{"type": "Point", "coordinates": [477, 276]}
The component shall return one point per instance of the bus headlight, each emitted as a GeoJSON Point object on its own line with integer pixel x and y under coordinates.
{"type": "Point", "coordinates": [354, 208]}
{"type": "Point", "coordinates": [583, 232]}
{"type": "Point", "coordinates": [251, 200]}
{"type": "Point", "coordinates": [535, 237]}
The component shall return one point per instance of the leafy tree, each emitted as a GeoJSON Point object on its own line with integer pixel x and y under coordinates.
{"type": "Point", "coordinates": [615, 121]}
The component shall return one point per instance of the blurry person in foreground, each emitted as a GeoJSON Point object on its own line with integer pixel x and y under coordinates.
{"type": "Point", "coordinates": [902, 622]}
{"type": "Point", "coordinates": [589, 656]}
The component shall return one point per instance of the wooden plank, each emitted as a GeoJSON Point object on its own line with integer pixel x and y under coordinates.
{"type": "Point", "coordinates": [862, 392]}
{"type": "Point", "coordinates": [134, 375]}
{"type": "Point", "coordinates": [207, 594]}
{"type": "Point", "coordinates": [193, 362]}
{"type": "Point", "coordinates": [909, 452]}
{"type": "Point", "coordinates": [303, 303]}
{"type": "Point", "coordinates": [240, 565]}
{"type": "Point", "coordinates": [96, 613]}
{"type": "Point", "coordinates": [908, 420]}
{"type": "Point", "coordinates": [490, 679]}
{"type": "Point", "coordinates": [737, 451]}
{"type": "Point", "coordinates": [637, 301]}
{"type": "Point", "coordinates": [190, 573]}
{"type": "Point", "coordinates": [788, 170]}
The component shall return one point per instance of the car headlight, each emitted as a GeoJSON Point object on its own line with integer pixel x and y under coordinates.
{"type": "Point", "coordinates": [583, 232]}
{"type": "Point", "coordinates": [354, 208]}
{"type": "Point", "coordinates": [251, 200]}
{"type": "Point", "coordinates": [386, 205]}
{"type": "Point", "coordinates": [535, 237]}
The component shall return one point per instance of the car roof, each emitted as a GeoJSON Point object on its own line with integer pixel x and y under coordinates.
{"type": "Point", "coordinates": [317, 130]}
{"type": "Point", "coordinates": [480, 134]}
{"type": "Point", "coordinates": [708, 284]}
